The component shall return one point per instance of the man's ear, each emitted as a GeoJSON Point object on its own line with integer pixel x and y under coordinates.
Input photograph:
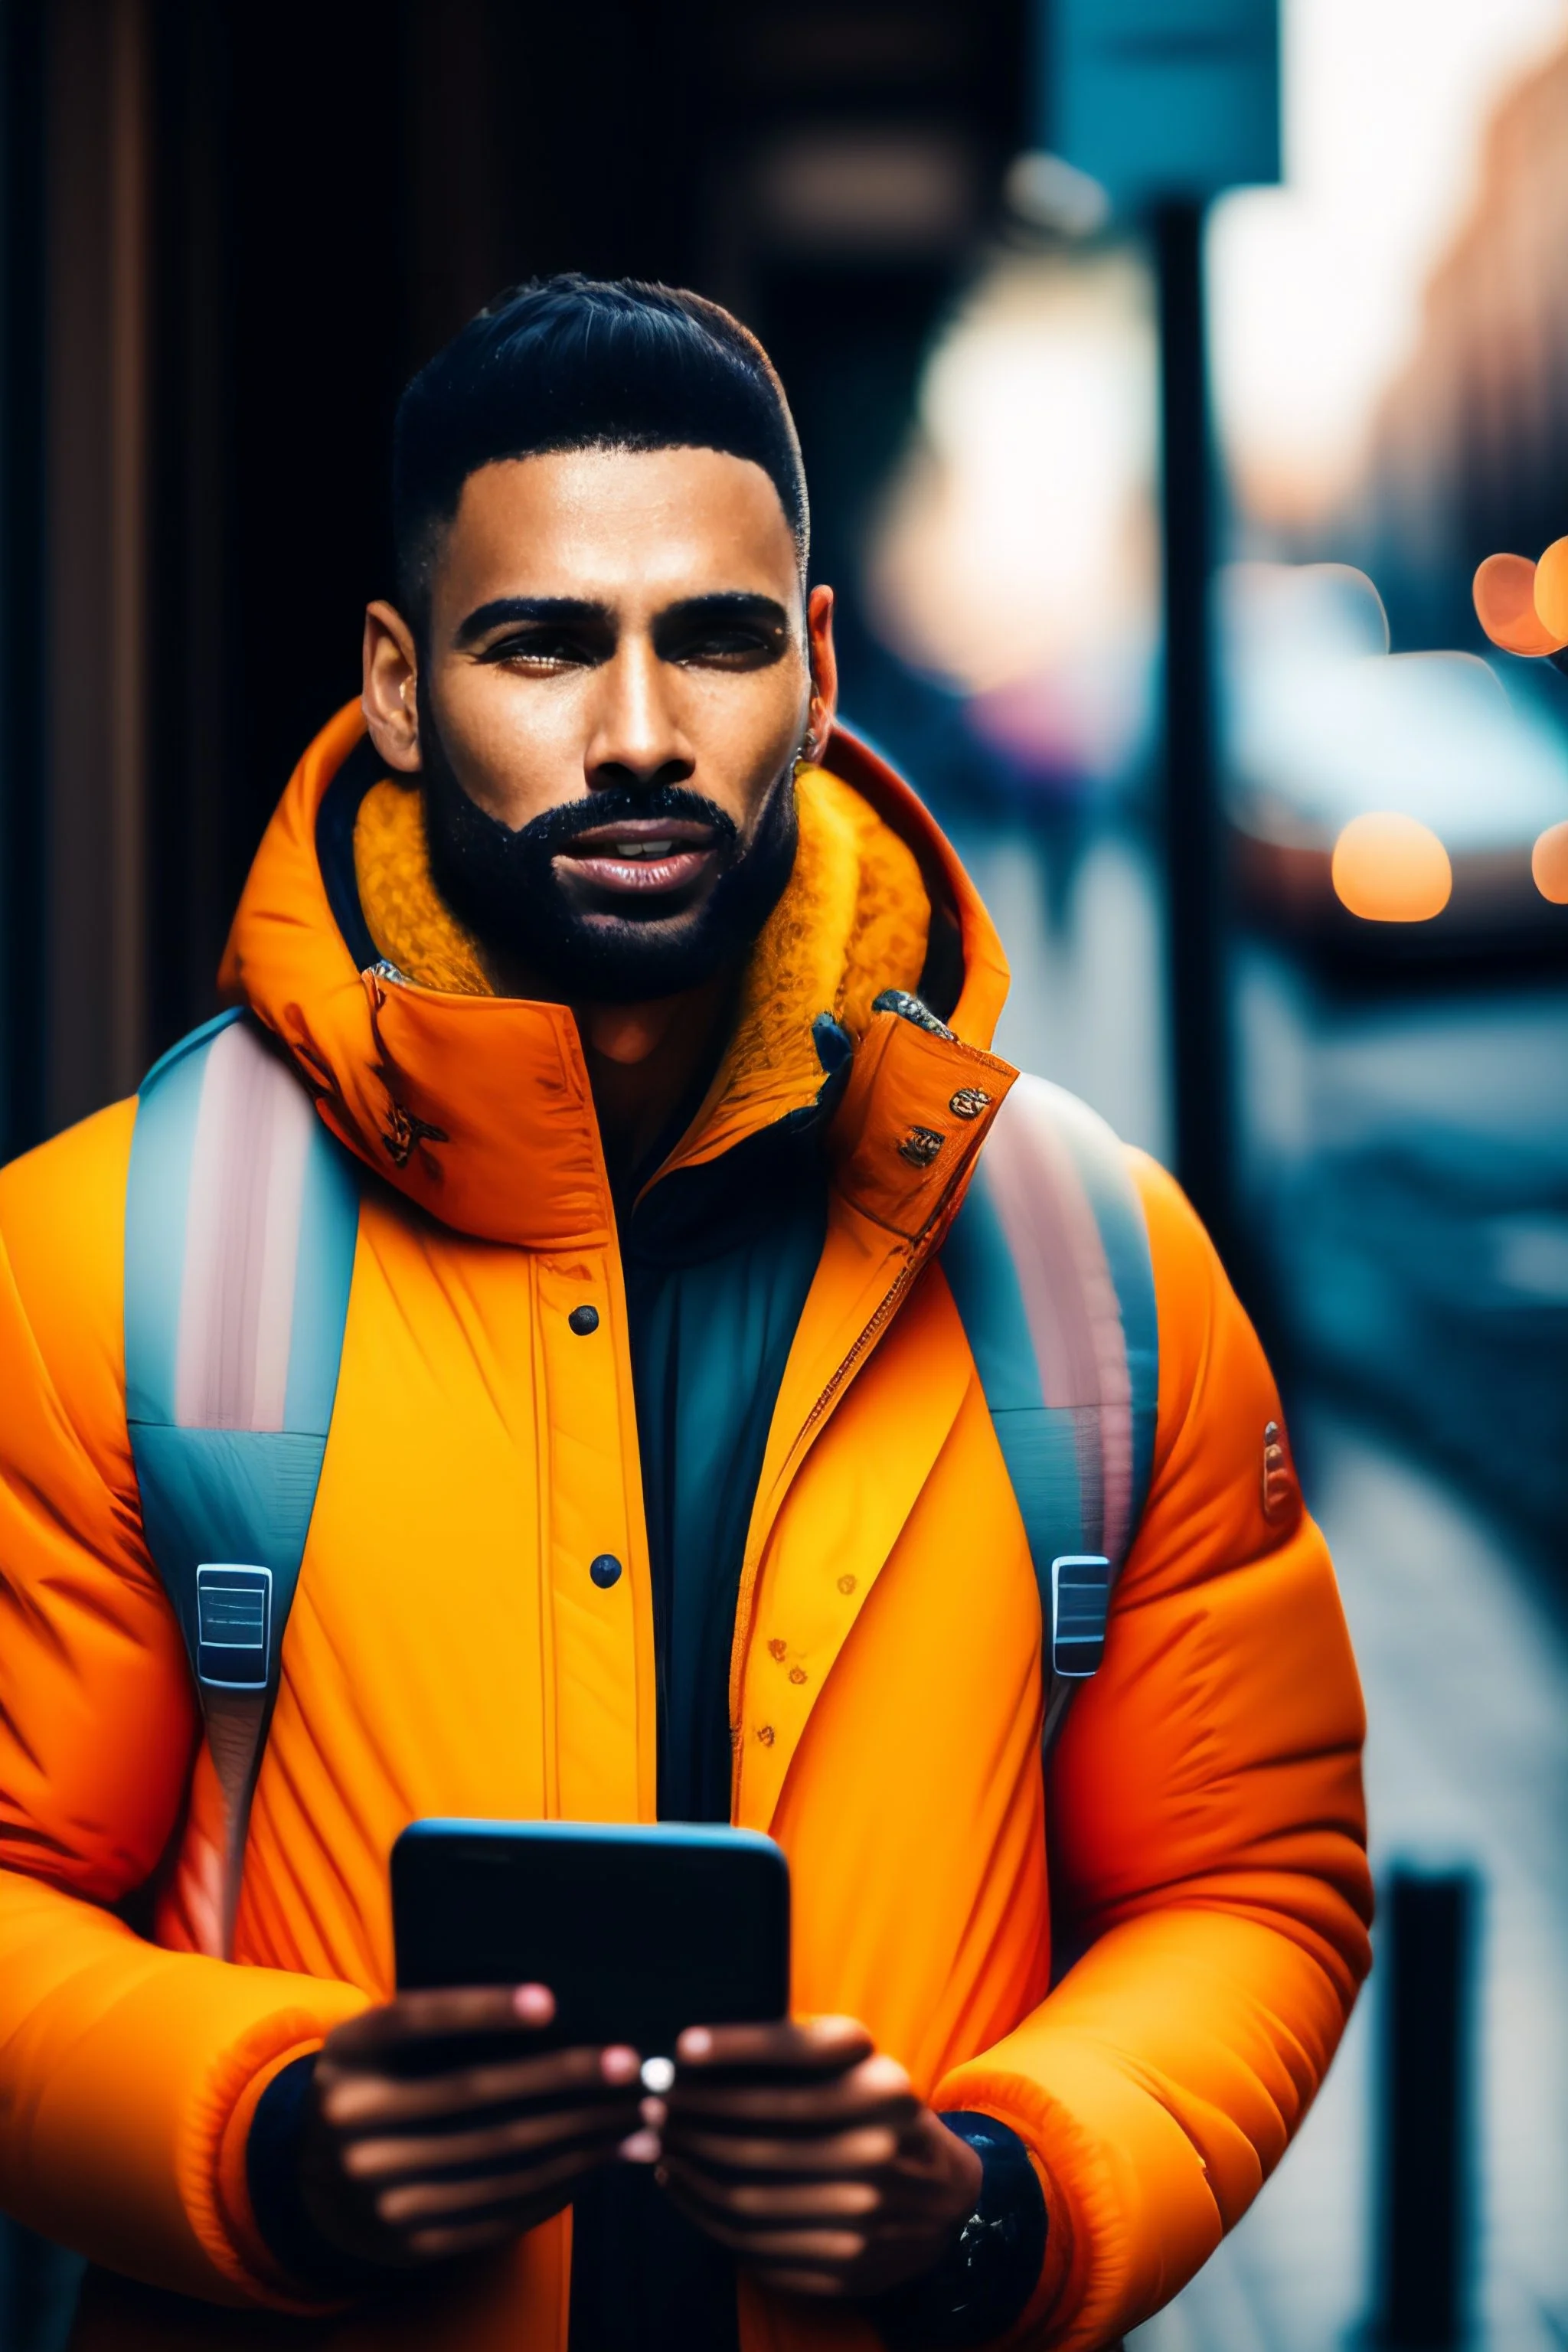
{"type": "Point", "coordinates": [391, 697]}
{"type": "Point", "coordinates": [824, 660]}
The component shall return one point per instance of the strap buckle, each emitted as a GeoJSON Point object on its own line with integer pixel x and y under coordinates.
{"type": "Point", "coordinates": [1080, 1602]}
{"type": "Point", "coordinates": [233, 1626]}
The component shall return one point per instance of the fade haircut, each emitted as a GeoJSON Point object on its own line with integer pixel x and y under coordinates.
{"type": "Point", "coordinates": [575, 363]}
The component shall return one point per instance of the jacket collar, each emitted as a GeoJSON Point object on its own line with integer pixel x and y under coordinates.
{"type": "Point", "coordinates": [478, 1107]}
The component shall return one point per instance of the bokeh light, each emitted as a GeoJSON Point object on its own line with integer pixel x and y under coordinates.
{"type": "Point", "coordinates": [1551, 591]}
{"type": "Point", "coordinates": [1017, 555]}
{"type": "Point", "coordinates": [1389, 868]}
{"type": "Point", "coordinates": [1507, 606]}
{"type": "Point", "coordinates": [1549, 865]}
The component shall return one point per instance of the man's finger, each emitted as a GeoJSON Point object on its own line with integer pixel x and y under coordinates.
{"type": "Point", "coordinates": [825, 2285]}
{"type": "Point", "coordinates": [406, 2157]}
{"type": "Point", "coordinates": [822, 2046]}
{"type": "Point", "coordinates": [876, 2088]}
{"type": "Point", "coordinates": [416, 2017]}
{"type": "Point", "coordinates": [831, 2157]}
{"type": "Point", "coordinates": [832, 2249]}
{"type": "Point", "coordinates": [775, 2204]}
{"type": "Point", "coordinates": [408, 2205]}
{"type": "Point", "coordinates": [356, 2101]}
{"type": "Point", "coordinates": [471, 2238]}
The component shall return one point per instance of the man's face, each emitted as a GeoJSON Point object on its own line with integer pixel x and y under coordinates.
{"type": "Point", "coordinates": [617, 676]}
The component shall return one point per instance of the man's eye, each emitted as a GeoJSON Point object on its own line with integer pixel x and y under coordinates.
{"type": "Point", "coordinates": [538, 651]}
{"type": "Point", "coordinates": [731, 646]}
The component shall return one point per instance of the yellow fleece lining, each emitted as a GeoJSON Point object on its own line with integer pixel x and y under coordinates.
{"type": "Point", "coordinates": [407, 919]}
{"type": "Point", "coordinates": [853, 920]}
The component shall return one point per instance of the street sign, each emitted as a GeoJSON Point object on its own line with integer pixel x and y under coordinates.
{"type": "Point", "coordinates": [1163, 98]}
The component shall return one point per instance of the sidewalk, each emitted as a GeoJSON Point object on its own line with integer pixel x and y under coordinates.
{"type": "Point", "coordinates": [1467, 1686]}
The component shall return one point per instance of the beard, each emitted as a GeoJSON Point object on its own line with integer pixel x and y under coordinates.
{"type": "Point", "coordinates": [502, 884]}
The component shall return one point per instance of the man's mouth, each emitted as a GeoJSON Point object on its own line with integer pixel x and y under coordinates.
{"type": "Point", "coordinates": [641, 857]}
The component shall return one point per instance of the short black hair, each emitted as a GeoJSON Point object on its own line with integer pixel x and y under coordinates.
{"type": "Point", "coordinates": [575, 363]}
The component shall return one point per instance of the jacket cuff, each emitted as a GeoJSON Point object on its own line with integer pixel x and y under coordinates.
{"type": "Point", "coordinates": [274, 2144]}
{"type": "Point", "coordinates": [269, 2272]}
{"type": "Point", "coordinates": [990, 2274]}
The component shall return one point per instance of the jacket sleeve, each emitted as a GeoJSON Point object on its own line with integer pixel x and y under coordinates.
{"type": "Point", "coordinates": [1207, 1844]}
{"type": "Point", "coordinates": [127, 2072]}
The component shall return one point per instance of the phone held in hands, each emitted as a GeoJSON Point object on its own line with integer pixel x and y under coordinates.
{"type": "Point", "coordinates": [638, 1931]}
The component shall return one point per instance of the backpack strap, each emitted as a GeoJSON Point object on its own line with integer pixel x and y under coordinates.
{"type": "Point", "coordinates": [1048, 1263]}
{"type": "Point", "coordinates": [241, 1219]}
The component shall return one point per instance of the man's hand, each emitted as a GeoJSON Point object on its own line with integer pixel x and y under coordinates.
{"type": "Point", "coordinates": [417, 2149]}
{"type": "Point", "coordinates": [810, 2157]}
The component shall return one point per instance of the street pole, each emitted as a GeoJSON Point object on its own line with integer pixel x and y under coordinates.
{"type": "Point", "coordinates": [1425, 2202]}
{"type": "Point", "coordinates": [1193, 834]}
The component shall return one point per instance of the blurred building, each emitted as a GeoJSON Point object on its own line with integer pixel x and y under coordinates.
{"type": "Point", "coordinates": [227, 236]}
{"type": "Point", "coordinates": [1469, 453]}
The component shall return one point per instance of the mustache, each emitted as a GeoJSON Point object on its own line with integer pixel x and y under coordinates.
{"type": "Point", "coordinates": [612, 804]}
{"type": "Point", "coordinates": [502, 884]}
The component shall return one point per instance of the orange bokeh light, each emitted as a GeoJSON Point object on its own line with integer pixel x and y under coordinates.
{"type": "Point", "coordinates": [1552, 591]}
{"type": "Point", "coordinates": [1392, 869]}
{"type": "Point", "coordinates": [1549, 858]}
{"type": "Point", "coordinates": [1507, 605]}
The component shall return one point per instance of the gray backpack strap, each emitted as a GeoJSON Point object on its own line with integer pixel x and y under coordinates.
{"type": "Point", "coordinates": [241, 1219]}
{"type": "Point", "coordinates": [1048, 1263]}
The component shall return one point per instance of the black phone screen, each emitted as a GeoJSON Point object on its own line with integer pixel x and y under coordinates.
{"type": "Point", "coordinates": [638, 1932]}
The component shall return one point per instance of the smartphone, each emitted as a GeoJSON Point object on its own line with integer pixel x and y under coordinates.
{"type": "Point", "coordinates": [638, 1932]}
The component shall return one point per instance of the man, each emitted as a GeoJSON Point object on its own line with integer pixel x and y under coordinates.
{"type": "Point", "coordinates": [654, 1011]}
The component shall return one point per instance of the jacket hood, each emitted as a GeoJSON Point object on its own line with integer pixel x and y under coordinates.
{"type": "Point", "coordinates": [478, 1106]}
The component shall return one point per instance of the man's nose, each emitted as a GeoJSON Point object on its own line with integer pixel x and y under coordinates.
{"type": "Point", "coordinates": [635, 737]}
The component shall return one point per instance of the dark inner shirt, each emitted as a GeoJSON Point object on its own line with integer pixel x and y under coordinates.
{"type": "Point", "coordinates": [718, 1261]}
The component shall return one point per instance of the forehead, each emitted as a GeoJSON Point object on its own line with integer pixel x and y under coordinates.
{"type": "Point", "coordinates": [623, 527]}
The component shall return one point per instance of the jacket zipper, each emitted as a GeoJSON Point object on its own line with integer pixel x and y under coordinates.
{"type": "Point", "coordinates": [918, 1255]}
{"type": "Point", "coordinates": [872, 1331]}
{"type": "Point", "coordinates": [746, 1597]}
{"type": "Point", "coordinates": [919, 1251]}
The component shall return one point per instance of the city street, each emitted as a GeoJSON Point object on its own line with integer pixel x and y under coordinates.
{"type": "Point", "coordinates": [1460, 1626]}
{"type": "Point", "coordinates": [1466, 1673]}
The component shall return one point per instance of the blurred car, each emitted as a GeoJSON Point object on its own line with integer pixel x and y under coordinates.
{"type": "Point", "coordinates": [1385, 807]}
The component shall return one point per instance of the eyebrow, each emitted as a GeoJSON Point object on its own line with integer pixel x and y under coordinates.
{"type": "Point", "coordinates": [726, 603]}
{"type": "Point", "coordinates": [515, 609]}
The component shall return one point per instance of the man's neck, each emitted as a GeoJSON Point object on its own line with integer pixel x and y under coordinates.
{"type": "Point", "coordinates": [645, 1059]}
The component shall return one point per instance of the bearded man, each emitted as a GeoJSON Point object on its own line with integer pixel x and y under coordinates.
{"type": "Point", "coordinates": [665, 1473]}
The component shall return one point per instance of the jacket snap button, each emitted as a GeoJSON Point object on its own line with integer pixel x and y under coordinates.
{"type": "Point", "coordinates": [921, 1146]}
{"type": "Point", "coordinates": [766, 1735]}
{"type": "Point", "coordinates": [606, 1570]}
{"type": "Point", "coordinates": [583, 1320]}
{"type": "Point", "coordinates": [969, 1102]}
{"type": "Point", "coordinates": [797, 1674]}
{"type": "Point", "coordinates": [778, 1650]}
{"type": "Point", "coordinates": [846, 1585]}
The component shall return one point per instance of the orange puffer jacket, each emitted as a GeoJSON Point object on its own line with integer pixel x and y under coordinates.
{"type": "Point", "coordinates": [1201, 1844]}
